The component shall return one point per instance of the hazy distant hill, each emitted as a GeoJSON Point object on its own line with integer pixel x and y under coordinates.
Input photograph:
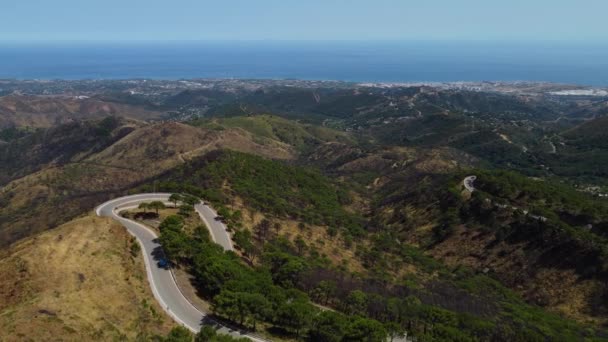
{"type": "Point", "coordinates": [46, 111]}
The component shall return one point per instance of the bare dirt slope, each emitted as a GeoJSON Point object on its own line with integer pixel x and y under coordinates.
{"type": "Point", "coordinates": [166, 145]}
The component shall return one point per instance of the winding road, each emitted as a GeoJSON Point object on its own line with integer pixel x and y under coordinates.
{"type": "Point", "coordinates": [468, 183]}
{"type": "Point", "coordinates": [161, 280]}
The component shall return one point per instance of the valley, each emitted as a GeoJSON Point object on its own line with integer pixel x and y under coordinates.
{"type": "Point", "coordinates": [342, 196]}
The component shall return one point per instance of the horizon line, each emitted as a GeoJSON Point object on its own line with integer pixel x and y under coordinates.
{"type": "Point", "coordinates": [263, 40]}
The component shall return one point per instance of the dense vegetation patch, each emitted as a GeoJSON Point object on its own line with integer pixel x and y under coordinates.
{"type": "Point", "coordinates": [250, 296]}
{"type": "Point", "coordinates": [12, 133]}
{"type": "Point", "coordinates": [277, 294]}
{"type": "Point", "coordinates": [437, 304]}
{"type": "Point", "coordinates": [270, 186]}
{"type": "Point", "coordinates": [303, 137]}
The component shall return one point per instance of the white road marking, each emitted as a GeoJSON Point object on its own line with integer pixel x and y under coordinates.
{"type": "Point", "coordinates": [128, 202]}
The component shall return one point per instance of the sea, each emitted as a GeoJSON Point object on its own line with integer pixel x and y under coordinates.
{"type": "Point", "coordinates": [582, 63]}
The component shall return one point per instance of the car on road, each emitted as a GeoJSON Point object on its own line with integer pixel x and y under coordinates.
{"type": "Point", "coordinates": [163, 263]}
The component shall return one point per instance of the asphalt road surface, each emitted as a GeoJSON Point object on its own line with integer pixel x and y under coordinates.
{"type": "Point", "coordinates": [468, 183]}
{"type": "Point", "coordinates": [218, 231]}
{"type": "Point", "coordinates": [162, 280]}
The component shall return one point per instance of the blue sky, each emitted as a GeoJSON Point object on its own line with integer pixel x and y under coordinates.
{"type": "Point", "coordinates": [36, 20]}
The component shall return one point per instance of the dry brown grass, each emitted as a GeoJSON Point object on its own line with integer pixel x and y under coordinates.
{"type": "Point", "coordinates": [316, 237]}
{"type": "Point", "coordinates": [77, 282]}
{"type": "Point", "coordinates": [155, 148]}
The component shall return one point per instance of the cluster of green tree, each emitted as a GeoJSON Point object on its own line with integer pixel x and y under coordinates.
{"type": "Point", "coordinates": [266, 294]}
{"type": "Point", "coordinates": [583, 159]}
{"type": "Point", "coordinates": [562, 227]}
{"type": "Point", "coordinates": [154, 205]}
{"type": "Point", "coordinates": [185, 203]}
{"type": "Point", "coordinates": [176, 243]}
{"type": "Point", "coordinates": [566, 204]}
{"type": "Point", "coordinates": [12, 133]}
{"type": "Point", "coordinates": [506, 202]}
{"type": "Point", "coordinates": [582, 164]}
{"type": "Point", "coordinates": [465, 316]}
{"type": "Point", "coordinates": [486, 144]}
{"type": "Point", "coordinates": [206, 334]}
{"type": "Point", "coordinates": [521, 210]}
{"type": "Point", "coordinates": [430, 130]}
{"type": "Point", "coordinates": [105, 126]}
{"type": "Point", "coordinates": [458, 306]}
{"type": "Point", "coordinates": [441, 197]}
{"type": "Point", "coordinates": [266, 185]}
{"type": "Point", "coordinates": [590, 135]}
{"type": "Point", "coordinates": [305, 138]}
{"type": "Point", "coordinates": [581, 154]}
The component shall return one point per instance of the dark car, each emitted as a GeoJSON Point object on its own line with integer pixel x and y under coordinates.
{"type": "Point", "coordinates": [163, 263]}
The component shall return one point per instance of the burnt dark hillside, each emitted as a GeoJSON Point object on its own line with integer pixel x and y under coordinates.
{"type": "Point", "coordinates": [58, 145]}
